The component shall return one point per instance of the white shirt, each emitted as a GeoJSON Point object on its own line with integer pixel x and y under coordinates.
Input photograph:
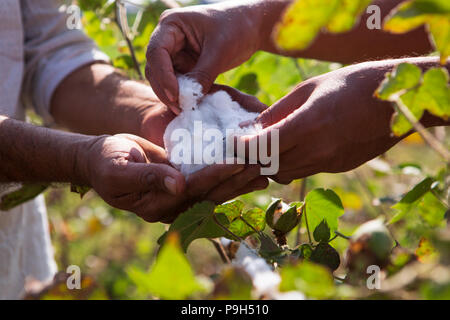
{"type": "Point", "coordinates": [37, 51]}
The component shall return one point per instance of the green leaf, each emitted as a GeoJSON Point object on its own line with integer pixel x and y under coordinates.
{"type": "Point", "coordinates": [347, 14]}
{"type": "Point", "coordinates": [304, 19]}
{"type": "Point", "coordinates": [268, 248]}
{"type": "Point", "coordinates": [231, 209]}
{"type": "Point", "coordinates": [255, 217]}
{"type": "Point", "coordinates": [171, 277]}
{"type": "Point", "coordinates": [196, 223]}
{"type": "Point", "coordinates": [24, 194]}
{"type": "Point", "coordinates": [322, 232]}
{"type": "Point", "coordinates": [432, 93]}
{"type": "Point", "coordinates": [314, 280]}
{"type": "Point", "coordinates": [412, 14]}
{"type": "Point", "coordinates": [321, 204]}
{"type": "Point", "coordinates": [233, 284]}
{"type": "Point", "coordinates": [306, 251]}
{"type": "Point", "coordinates": [248, 83]}
{"type": "Point", "coordinates": [326, 255]}
{"type": "Point", "coordinates": [405, 76]}
{"type": "Point", "coordinates": [411, 199]}
{"type": "Point", "coordinates": [435, 92]}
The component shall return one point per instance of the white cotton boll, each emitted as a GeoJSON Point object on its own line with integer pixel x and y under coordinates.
{"type": "Point", "coordinates": [264, 279]}
{"type": "Point", "coordinates": [214, 111]}
{"type": "Point", "coordinates": [190, 92]}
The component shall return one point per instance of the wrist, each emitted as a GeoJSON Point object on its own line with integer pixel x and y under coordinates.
{"type": "Point", "coordinates": [270, 13]}
{"type": "Point", "coordinates": [82, 160]}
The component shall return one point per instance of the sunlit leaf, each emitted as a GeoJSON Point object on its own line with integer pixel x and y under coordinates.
{"type": "Point", "coordinates": [404, 85]}
{"type": "Point", "coordinates": [405, 76]}
{"type": "Point", "coordinates": [412, 14]}
{"type": "Point", "coordinates": [321, 204]}
{"type": "Point", "coordinates": [426, 252]}
{"type": "Point", "coordinates": [255, 217]}
{"type": "Point", "coordinates": [196, 223]}
{"type": "Point", "coordinates": [171, 277]}
{"type": "Point", "coordinates": [233, 284]}
{"type": "Point", "coordinates": [304, 19]}
{"type": "Point", "coordinates": [314, 280]}
{"type": "Point", "coordinates": [411, 199]}
{"type": "Point", "coordinates": [231, 209]}
{"type": "Point", "coordinates": [24, 194]}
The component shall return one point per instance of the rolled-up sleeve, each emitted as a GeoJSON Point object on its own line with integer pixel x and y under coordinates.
{"type": "Point", "coordinates": [52, 52]}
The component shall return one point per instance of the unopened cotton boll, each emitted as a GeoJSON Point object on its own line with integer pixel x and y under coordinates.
{"type": "Point", "coordinates": [209, 124]}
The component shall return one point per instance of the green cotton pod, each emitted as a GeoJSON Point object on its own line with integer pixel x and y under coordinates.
{"type": "Point", "coordinates": [274, 207]}
{"type": "Point", "coordinates": [288, 220]}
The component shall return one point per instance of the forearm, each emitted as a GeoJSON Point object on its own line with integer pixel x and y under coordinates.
{"type": "Point", "coordinates": [359, 44]}
{"type": "Point", "coordinates": [35, 154]}
{"type": "Point", "coordinates": [97, 99]}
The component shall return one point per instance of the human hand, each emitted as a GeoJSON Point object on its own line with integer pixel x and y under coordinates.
{"type": "Point", "coordinates": [202, 41]}
{"type": "Point", "coordinates": [132, 174]}
{"type": "Point", "coordinates": [331, 123]}
{"type": "Point", "coordinates": [156, 118]}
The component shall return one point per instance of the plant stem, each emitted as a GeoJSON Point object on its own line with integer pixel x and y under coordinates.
{"type": "Point", "coordinates": [341, 235]}
{"type": "Point", "coordinates": [307, 226]}
{"type": "Point", "coordinates": [122, 22]}
{"type": "Point", "coordinates": [226, 229]}
{"type": "Point", "coordinates": [302, 198]}
{"type": "Point", "coordinates": [248, 224]}
{"type": "Point", "coordinates": [221, 250]}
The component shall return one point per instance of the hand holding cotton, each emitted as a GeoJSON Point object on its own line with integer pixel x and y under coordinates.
{"type": "Point", "coordinates": [203, 133]}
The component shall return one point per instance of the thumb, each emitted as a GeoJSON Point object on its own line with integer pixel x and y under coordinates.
{"type": "Point", "coordinates": [145, 176]}
{"type": "Point", "coordinates": [288, 104]}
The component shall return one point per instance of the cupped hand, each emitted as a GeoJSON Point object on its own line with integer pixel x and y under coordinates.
{"type": "Point", "coordinates": [130, 173]}
{"type": "Point", "coordinates": [331, 123]}
{"type": "Point", "coordinates": [202, 41]}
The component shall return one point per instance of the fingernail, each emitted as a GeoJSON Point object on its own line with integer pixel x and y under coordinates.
{"type": "Point", "coordinates": [171, 185]}
{"type": "Point", "coordinates": [169, 95]}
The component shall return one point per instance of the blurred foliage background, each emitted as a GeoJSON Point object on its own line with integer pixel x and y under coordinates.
{"type": "Point", "coordinates": [106, 243]}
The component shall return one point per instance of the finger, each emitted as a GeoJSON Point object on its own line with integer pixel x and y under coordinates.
{"type": "Point", "coordinates": [248, 102]}
{"type": "Point", "coordinates": [286, 105]}
{"type": "Point", "coordinates": [286, 177]}
{"type": "Point", "coordinates": [165, 42]}
{"type": "Point", "coordinates": [257, 184]}
{"type": "Point", "coordinates": [234, 186]}
{"type": "Point", "coordinates": [159, 207]}
{"type": "Point", "coordinates": [153, 152]}
{"type": "Point", "coordinates": [201, 182]}
{"type": "Point", "coordinates": [207, 68]}
{"type": "Point", "coordinates": [281, 136]}
{"type": "Point", "coordinates": [142, 177]}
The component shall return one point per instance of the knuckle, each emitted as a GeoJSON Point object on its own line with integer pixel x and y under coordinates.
{"type": "Point", "coordinates": [203, 77]}
{"type": "Point", "coordinates": [169, 15]}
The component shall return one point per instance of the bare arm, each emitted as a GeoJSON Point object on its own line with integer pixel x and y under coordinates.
{"type": "Point", "coordinates": [359, 44]}
{"type": "Point", "coordinates": [34, 154]}
{"type": "Point", "coordinates": [187, 41]}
